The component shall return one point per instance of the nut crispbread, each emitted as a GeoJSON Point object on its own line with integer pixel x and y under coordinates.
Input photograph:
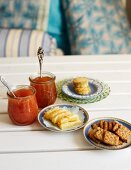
{"type": "Point", "coordinates": [110, 126]}
{"type": "Point", "coordinates": [111, 139]}
{"type": "Point", "coordinates": [107, 137]}
{"type": "Point", "coordinates": [123, 132]}
{"type": "Point", "coordinates": [99, 134]}
{"type": "Point", "coordinates": [91, 135]}
{"type": "Point", "coordinates": [111, 133]}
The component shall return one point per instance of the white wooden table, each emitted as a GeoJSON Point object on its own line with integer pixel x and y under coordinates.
{"type": "Point", "coordinates": [32, 147]}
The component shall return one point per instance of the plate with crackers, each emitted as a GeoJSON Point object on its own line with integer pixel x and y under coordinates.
{"type": "Point", "coordinates": [63, 117]}
{"type": "Point", "coordinates": [82, 88]}
{"type": "Point", "coordinates": [108, 133]}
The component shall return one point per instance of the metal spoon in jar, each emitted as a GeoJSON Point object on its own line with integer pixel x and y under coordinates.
{"type": "Point", "coordinates": [4, 82]}
{"type": "Point", "coordinates": [40, 54]}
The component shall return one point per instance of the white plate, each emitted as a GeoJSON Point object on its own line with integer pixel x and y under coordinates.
{"type": "Point", "coordinates": [95, 87]}
{"type": "Point", "coordinates": [82, 113]}
{"type": "Point", "coordinates": [104, 146]}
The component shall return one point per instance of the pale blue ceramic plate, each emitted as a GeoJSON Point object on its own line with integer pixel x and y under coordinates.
{"type": "Point", "coordinates": [82, 113]}
{"type": "Point", "coordinates": [104, 146]}
{"type": "Point", "coordinates": [95, 86]}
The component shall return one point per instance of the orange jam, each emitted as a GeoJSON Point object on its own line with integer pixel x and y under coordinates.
{"type": "Point", "coordinates": [45, 89]}
{"type": "Point", "coordinates": [23, 109]}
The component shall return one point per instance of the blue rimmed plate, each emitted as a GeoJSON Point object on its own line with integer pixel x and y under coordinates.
{"type": "Point", "coordinates": [82, 113]}
{"type": "Point", "coordinates": [95, 86]}
{"type": "Point", "coordinates": [104, 146]}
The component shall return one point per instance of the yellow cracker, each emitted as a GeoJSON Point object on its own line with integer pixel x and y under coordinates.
{"type": "Point", "coordinates": [49, 112]}
{"type": "Point", "coordinates": [80, 80]}
{"type": "Point", "coordinates": [58, 112]}
{"type": "Point", "coordinates": [69, 125]}
{"type": "Point", "coordinates": [59, 116]}
{"type": "Point", "coordinates": [70, 118]}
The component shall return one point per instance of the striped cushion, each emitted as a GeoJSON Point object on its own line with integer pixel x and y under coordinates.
{"type": "Point", "coordinates": [18, 42]}
{"type": "Point", "coordinates": [45, 15]}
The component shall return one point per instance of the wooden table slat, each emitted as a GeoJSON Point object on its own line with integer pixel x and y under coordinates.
{"type": "Point", "coordinates": [10, 68]}
{"type": "Point", "coordinates": [32, 146]}
{"type": "Point", "coordinates": [7, 126]}
{"type": "Point", "coordinates": [92, 160]}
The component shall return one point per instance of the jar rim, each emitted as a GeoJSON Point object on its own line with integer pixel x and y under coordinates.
{"type": "Point", "coordinates": [18, 87]}
{"type": "Point", "coordinates": [51, 75]}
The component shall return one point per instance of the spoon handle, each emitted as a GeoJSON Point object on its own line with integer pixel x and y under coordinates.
{"type": "Point", "coordinates": [40, 63]}
{"type": "Point", "coordinates": [40, 54]}
{"type": "Point", "coordinates": [2, 79]}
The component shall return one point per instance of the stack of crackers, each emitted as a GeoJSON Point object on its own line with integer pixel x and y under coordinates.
{"type": "Point", "coordinates": [81, 85]}
{"type": "Point", "coordinates": [111, 133]}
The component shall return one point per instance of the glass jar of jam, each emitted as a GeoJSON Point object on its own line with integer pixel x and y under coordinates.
{"type": "Point", "coordinates": [45, 88]}
{"type": "Point", "coordinates": [23, 108]}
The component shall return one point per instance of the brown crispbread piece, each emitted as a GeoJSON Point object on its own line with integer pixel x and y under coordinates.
{"type": "Point", "coordinates": [95, 125]}
{"type": "Point", "coordinates": [99, 134]}
{"type": "Point", "coordinates": [111, 133]}
{"type": "Point", "coordinates": [116, 126]}
{"type": "Point", "coordinates": [91, 135]}
{"type": "Point", "coordinates": [110, 126]}
{"type": "Point", "coordinates": [101, 124]}
{"type": "Point", "coordinates": [106, 137]}
{"type": "Point", "coordinates": [123, 132]}
{"type": "Point", "coordinates": [105, 125]}
{"type": "Point", "coordinates": [110, 138]}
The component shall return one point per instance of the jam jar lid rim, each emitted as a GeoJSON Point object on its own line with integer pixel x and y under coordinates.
{"type": "Point", "coordinates": [22, 86]}
{"type": "Point", "coordinates": [52, 78]}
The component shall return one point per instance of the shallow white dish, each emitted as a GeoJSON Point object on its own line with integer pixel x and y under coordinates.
{"type": "Point", "coordinates": [82, 113]}
{"type": "Point", "coordinates": [95, 87]}
{"type": "Point", "coordinates": [104, 146]}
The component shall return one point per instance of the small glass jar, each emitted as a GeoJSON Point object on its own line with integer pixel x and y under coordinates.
{"type": "Point", "coordinates": [23, 108]}
{"type": "Point", "coordinates": [45, 88]}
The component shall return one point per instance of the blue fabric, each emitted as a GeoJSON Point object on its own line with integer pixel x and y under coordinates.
{"type": "Point", "coordinates": [97, 27]}
{"type": "Point", "coordinates": [55, 21]}
{"type": "Point", "coordinates": [19, 14]}
{"type": "Point", "coordinates": [57, 25]}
